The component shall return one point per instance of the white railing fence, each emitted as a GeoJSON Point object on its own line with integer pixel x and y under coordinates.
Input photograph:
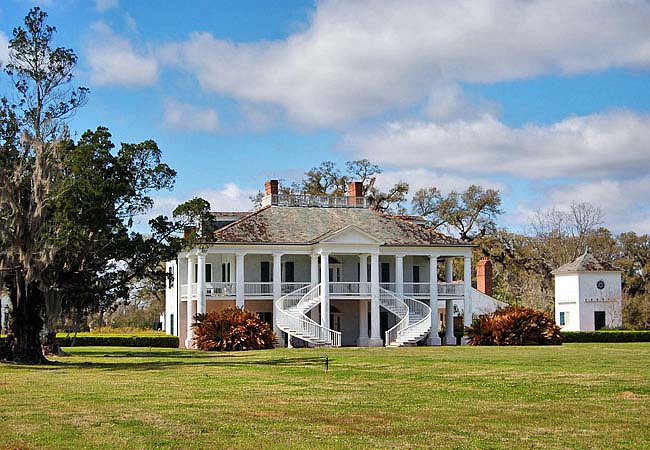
{"type": "Point", "coordinates": [456, 289]}
{"type": "Point", "coordinates": [258, 288]}
{"type": "Point", "coordinates": [316, 200]}
{"type": "Point", "coordinates": [293, 286]}
{"type": "Point", "coordinates": [349, 288]}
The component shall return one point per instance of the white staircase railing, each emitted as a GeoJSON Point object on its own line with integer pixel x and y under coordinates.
{"type": "Point", "coordinates": [414, 318]}
{"type": "Point", "coordinates": [292, 319]}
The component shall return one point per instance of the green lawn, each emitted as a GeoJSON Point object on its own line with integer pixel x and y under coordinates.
{"type": "Point", "coordinates": [576, 395]}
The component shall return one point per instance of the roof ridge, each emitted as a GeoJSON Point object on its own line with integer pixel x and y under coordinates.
{"type": "Point", "coordinates": [232, 224]}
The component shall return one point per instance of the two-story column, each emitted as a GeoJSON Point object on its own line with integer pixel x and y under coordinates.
{"type": "Point", "coordinates": [399, 275]}
{"type": "Point", "coordinates": [325, 289]}
{"type": "Point", "coordinates": [239, 279]}
{"type": "Point", "coordinates": [313, 282]}
{"type": "Point", "coordinates": [277, 293]}
{"type": "Point", "coordinates": [450, 339]}
{"type": "Point", "coordinates": [467, 299]}
{"type": "Point", "coordinates": [375, 337]}
{"type": "Point", "coordinates": [190, 310]}
{"type": "Point", "coordinates": [363, 303]}
{"type": "Point", "coordinates": [200, 284]}
{"type": "Point", "coordinates": [434, 337]}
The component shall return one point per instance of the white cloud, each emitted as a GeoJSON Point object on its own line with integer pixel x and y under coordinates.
{"type": "Point", "coordinates": [114, 61]}
{"type": "Point", "coordinates": [4, 49]}
{"type": "Point", "coordinates": [614, 143]}
{"type": "Point", "coordinates": [359, 59]}
{"type": "Point", "coordinates": [105, 5]}
{"type": "Point", "coordinates": [186, 117]}
{"type": "Point", "coordinates": [425, 178]}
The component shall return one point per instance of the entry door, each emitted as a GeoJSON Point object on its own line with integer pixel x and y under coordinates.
{"type": "Point", "coordinates": [599, 320]}
{"type": "Point", "coordinates": [335, 321]}
{"type": "Point", "coordinates": [416, 279]}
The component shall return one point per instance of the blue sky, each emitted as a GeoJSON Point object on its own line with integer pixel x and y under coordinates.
{"type": "Point", "coordinates": [548, 101]}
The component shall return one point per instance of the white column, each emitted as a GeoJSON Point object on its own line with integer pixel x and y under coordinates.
{"type": "Point", "coordinates": [314, 270]}
{"type": "Point", "coordinates": [399, 275]}
{"type": "Point", "coordinates": [363, 340]}
{"type": "Point", "coordinates": [325, 289]}
{"type": "Point", "coordinates": [467, 300]}
{"type": "Point", "coordinates": [277, 293]}
{"type": "Point", "coordinates": [239, 279]}
{"type": "Point", "coordinates": [190, 310]}
{"type": "Point", "coordinates": [200, 284]}
{"type": "Point", "coordinates": [450, 339]}
{"type": "Point", "coordinates": [375, 337]}
{"type": "Point", "coordinates": [434, 338]}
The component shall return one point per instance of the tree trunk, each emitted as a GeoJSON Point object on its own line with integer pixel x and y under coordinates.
{"type": "Point", "coordinates": [25, 325]}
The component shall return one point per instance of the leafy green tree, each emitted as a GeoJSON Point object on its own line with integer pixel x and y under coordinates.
{"type": "Point", "coordinates": [471, 213]}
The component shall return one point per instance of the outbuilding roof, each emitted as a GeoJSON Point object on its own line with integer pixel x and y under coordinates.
{"type": "Point", "coordinates": [585, 263]}
{"type": "Point", "coordinates": [306, 225]}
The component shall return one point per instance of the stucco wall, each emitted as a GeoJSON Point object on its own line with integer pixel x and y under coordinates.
{"type": "Point", "coordinates": [567, 295]}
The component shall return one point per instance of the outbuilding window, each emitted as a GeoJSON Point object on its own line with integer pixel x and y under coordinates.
{"type": "Point", "coordinates": [564, 317]}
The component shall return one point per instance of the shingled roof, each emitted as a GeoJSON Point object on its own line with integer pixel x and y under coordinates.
{"type": "Point", "coordinates": [585, 263]}
{"type": "Point", "coordinates": [304, 225]}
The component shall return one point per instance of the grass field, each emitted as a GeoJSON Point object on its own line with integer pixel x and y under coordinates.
{"type": "Point", "coordinates": [576, 395]}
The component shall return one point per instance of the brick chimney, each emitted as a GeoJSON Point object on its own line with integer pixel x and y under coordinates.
{"type": "Point", "coordinates": [188, 230]}
{"type": "Point", "coordinates": [355, 189]}
{"type": "Point", "coordinates": [484, 276]}
{"type": "Point", "coordinates": [271, 187]}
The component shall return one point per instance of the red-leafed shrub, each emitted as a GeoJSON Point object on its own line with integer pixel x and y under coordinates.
{"type": "Point", "coordinates": [232, 329]}
{"type": "Point", "coordinates": [514, 325]}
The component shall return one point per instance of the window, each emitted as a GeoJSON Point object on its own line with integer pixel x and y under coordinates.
{"type": "Point", "coordinates": [416, 274]}
{"type": "Point", "coordinates": [564, 317]}
{"type": "Point", "coordinates": [266, 317]}
{"type": "Point", "coordinates": [385, 273]}
{"type": "Point", "coordinates": [171, 324]}
{"type": "Point", "coordinates": [170, 279]}
{"type": "Point", "coordinates": [288, 272]}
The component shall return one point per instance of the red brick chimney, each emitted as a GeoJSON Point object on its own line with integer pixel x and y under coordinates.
{"type": "Point", "coordinates": [271, 187]}
{"type": "Point", "coordinates": [187, 231]}
{"type": "Point", "coordinates": [484, 276]}
{"type": "Point", "coordinates": [355, 190]}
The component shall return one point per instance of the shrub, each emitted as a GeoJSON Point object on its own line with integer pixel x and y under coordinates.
{"type": "Point", "coordinates": [103, 340]}
{"type": "Point", "coordinates": [514, 325]}
{"type": "Point", "coordinates": [232, 329]}
{"type": "Point", "coordinates": [607, 336]}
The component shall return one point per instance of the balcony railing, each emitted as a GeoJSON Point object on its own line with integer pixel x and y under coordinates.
{"type": "Point", "coordinates": [323, 201]}
{"type": "Point", "coordinates": [336, 288]}
{"type": "Point", "coordinates": [345, 288]}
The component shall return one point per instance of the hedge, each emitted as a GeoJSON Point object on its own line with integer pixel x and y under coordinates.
{"type": "Point", "coordinates": [116, 340]}
{"type": "Point", "coordinates": [607, 336]}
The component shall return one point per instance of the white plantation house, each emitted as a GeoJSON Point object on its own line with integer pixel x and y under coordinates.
{"type": "Point", "coordinates": [329, 271]}
{"type": "Point", "coordinates": [588, 295]}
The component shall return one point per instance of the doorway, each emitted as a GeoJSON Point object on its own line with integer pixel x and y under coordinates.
{"type": "Point", "coordinates": [599, 320]}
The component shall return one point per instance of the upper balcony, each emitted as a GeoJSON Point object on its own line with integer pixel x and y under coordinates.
{"type": "Point", "coordinates": [338, 289]}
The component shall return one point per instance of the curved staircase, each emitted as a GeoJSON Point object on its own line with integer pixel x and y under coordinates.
{"type": "Point", "coordinates": [292, 312]}
{"type": "Point", "coordinates": [414, 319]}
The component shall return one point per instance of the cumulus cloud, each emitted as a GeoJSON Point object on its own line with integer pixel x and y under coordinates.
{"type": "Point", "coordinates": [4, 49]}
{"type": "Point", "coordinates": [114, 61]}
{"type": "Point", "coordinates": [359, 59]}
{"type": "Point", "coordinates": [105, 5]}
{"type": "Point", "coordinates": [425, 178]}
{"type": "Point", "coordinates": [609, 144]}
{"type": "Point", "coordinates": [186, 117]}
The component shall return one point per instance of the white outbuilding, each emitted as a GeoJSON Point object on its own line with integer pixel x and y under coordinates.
{"type": "Point", "coordinates": [588, 295]}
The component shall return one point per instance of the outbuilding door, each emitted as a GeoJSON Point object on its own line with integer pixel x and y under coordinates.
{"type": "Point", "coordinates": [599, 320]}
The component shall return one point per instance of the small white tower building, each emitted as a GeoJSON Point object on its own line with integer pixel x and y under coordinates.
{"type": "Point", "coordinates": [588, 295]}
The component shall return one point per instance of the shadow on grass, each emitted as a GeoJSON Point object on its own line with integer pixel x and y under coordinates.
{"type": "Point", "coordinates": [168, 359]}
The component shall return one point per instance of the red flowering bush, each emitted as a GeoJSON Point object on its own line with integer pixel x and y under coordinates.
{"type": "Point", "coordinates": [514, 325]}
{"type": "Point", "coordinates": [232, 329]}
